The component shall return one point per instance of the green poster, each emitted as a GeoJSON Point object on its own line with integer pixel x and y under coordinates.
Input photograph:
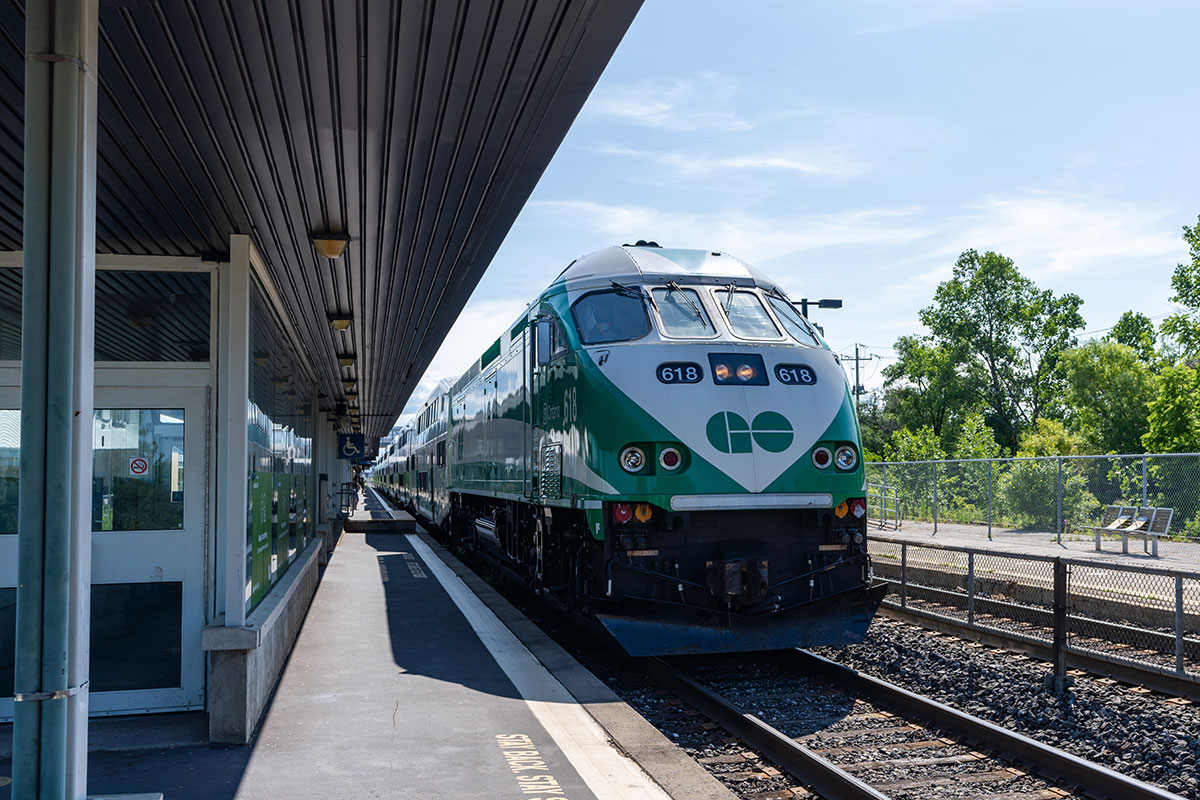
{"type": "Point", "coordinates": [261, 488]}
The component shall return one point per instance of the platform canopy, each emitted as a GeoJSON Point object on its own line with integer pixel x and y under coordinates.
{"type": "Point", "coordinates": [416, 129]}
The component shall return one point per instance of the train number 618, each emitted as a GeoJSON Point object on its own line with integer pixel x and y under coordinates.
{"type": "Point", "coordinates": [796, 374]}
{"type": "Point", "coordinates": [680, 372]}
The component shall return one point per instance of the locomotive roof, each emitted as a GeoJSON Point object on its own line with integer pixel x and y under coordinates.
{"type": "Point", "coordinates": [638, 263]}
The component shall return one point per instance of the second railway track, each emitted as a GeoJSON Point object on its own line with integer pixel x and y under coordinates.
{"type": "Point", "coordinates": [850, 736]}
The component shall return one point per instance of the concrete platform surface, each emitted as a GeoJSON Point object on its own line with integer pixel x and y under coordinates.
{"type": "Point", "coordinates": [403, 683]}
{"type": "Point", "coordinates": [1172, 554]}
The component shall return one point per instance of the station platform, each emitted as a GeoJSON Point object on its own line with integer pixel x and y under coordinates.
{"type": "Point", "coordinates": [1171, 554]}
{"type": "Point", "coordinates": [411, 678]}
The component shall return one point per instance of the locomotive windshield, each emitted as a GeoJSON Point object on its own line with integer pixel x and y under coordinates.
{"type": "Point", "coordinates": [611, 316]}
{"type": "Point", "coordinates": [791, 319]}
{"type": "Point", "coordinates": [682, 312]}
{"type": "Point", "coordinates": [747, 316]}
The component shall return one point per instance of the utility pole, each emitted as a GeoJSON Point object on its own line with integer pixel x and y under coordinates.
{"type": "Point", "coordinates": [858, 388]}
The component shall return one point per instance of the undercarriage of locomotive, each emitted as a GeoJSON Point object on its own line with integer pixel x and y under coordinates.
{"type": "Point", "coordinates": [692, 582]}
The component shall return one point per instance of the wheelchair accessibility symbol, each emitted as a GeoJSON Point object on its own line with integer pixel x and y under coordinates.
{"type": "Point", "coordinates": [352, 445]}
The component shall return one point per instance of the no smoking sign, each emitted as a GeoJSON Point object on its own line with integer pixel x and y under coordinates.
{"type": "Point", "coordinates": [138, 466]}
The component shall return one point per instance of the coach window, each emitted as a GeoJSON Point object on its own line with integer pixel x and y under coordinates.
{"type": "Point", "coordinates": [682, 313]}
{"type": "Point", "coordinates": [610, 316]}
{"type": "Point", "coordinates": [747, 316]}
{"type": "Point", "coordinates": [791, 319]}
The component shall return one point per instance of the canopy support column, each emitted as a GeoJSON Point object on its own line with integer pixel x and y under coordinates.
{"type": "Point", "coordinates": [58, 296]}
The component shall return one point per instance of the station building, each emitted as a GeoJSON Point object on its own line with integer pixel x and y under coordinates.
{"type": "Point", "coordinates": [279, 210]}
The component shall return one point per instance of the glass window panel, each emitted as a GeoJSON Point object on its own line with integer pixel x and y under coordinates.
{"type": "Point", "coordinates": [137, 633]}
{"type": "Point", "coordinates": [8, 640]}
{"type": "Point", "coordinates": [747, 316]}
{"type": "Point", "coordinates": [10, 468]}
{"type": "Point", "coordinates": [791, 319]}
{"type": "Point", "coordinates": [682, 313]}
{"type": "Point", "coordinates": [140, 316]}
{"type": "Point", "coordinates": [610, 317]}
{"type": "Point", "coordinates": [137, 469]}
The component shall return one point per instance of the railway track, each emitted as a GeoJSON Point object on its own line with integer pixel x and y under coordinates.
{"type": "Point", "coordinates": [849, 736]}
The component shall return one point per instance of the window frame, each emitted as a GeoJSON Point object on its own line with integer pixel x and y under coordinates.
{"type": "Point", "coordinates": [699, 298]}
{"type": "Point", "coordinates": [757, 295]}
{"type": "Point", "coordinates": [646, 315]}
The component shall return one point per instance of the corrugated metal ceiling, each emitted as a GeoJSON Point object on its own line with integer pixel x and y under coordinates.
{"type": "Point", "coordinates": [417, 128]}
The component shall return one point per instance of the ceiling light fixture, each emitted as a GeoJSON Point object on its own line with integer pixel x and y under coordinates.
{"type": "Point", "coordinates": [345, 360]}
{"type": "Point", "coordinates": [339, 322]}
{"type": "Point", "coordinates": [330, 245]}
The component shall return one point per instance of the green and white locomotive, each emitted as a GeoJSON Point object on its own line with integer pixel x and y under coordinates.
{"type": "Point", "coordinates": [663, 442]}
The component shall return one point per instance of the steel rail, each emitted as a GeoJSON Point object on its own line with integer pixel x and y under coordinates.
{"type": "Point", "coordinates": [1048, 762]}
{"type": "Point", "coordinates": [823, 777]}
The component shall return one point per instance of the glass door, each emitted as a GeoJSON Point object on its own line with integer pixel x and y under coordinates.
{"type": "Point", "coordinates": [148, 539]}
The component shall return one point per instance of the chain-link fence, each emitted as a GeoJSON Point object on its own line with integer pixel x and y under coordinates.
{"type": "Point", "coordinates": [1062, 496]}
{"type": "Point", "coordinates": [1144, 617]}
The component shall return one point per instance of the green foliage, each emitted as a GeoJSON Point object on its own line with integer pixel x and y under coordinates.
{"type": "Point", "coordinates": [1006, 335]}
{"type": "Point", "coordinates": [1028, 489]}
{"type": "Point", "coordinates": [1136, 332]}
{"type": "Point", "coordinates": [1050, 437]}
{"type": "Point", "coordinates": [1174, 413]}
{"type": "Point", "coordinates": [924, 384]}
{"type": "Point", "coordinates": [1184, 327]}
{"type": "Point", "coordinates": [919, 445]}
{"type": "Point", "coordinates": [1108, 391]}
{"type": "Point", "coordinates": [976, 439]}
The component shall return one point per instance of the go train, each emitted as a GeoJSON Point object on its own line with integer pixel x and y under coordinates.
{"type": "Point", "coordinates": [664, 443]}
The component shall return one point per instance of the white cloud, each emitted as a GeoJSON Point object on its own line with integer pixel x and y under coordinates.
{"type": "Point", "coordinates": [819, 160]}
{"type": "Point", "coordinates": [754, 238]}
{"type": "Point", "coordinates": [1050, 234]}
{"type": "Point", "coordinates": [698, 102]}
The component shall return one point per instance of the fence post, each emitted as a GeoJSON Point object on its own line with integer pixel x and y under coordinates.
{"type": "Point", "coordinates": [883, 496]}
{"type": "Point", "coordinates": [903, 575]}
{"type": "Point", "coordinates": [1058, 520]}
{"type": "Point", "coordinates": [989, 499]}
{"type": "Point", "coordinates": [970, 588]}
{"type": "Point", "coordinates": [1179, 624]}
{"type": "Point", "coordinates": [935, 500]}
{"type": "Point", "coordinates": [1145, 498]}
{"type": "Point", "coordinates": [1056, 681]}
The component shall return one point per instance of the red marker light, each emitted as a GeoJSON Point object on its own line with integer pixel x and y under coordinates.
{"type": "Point", "coordinates": [858, 507]}
{"type": "Point", "coordinates": [622, 512]}
{"type": "Point", "coordinates": [669, 458]}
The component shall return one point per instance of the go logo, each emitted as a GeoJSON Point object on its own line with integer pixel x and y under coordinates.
{"type": "Point", "coordinates": [729, 433]}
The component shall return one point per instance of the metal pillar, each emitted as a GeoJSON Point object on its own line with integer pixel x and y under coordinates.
{"type": "Point", "coordinates": [1058, 522]}
{"type": "Point", "coordinates": [58, 295]}
{"type": "Point", "coordinates": [233, 449]}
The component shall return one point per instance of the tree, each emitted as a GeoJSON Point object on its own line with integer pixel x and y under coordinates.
{"type": "Point", "coordinates": [1136, 332]}
{"type": "Point", "coordinates": [924, 385]}
{"type": "Point", "coordinates": [976, 439]}
{"type": "Point", "coordinates": [1108, 391]}
{"type": "Point", "coordinates": [1174, 413]}
{"type": "Point", "coordinates": [1184, 327]}
{"type": "Point", "coordinates": [1008, 334]}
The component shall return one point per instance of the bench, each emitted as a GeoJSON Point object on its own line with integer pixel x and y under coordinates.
{"type": "Point", "coordinates": [1146, 522]}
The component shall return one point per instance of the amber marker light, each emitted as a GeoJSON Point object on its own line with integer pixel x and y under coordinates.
{"type": "Point", "coordinates": [722, 371]}
{"type": "Point", "coordinates": [642, 512]}
{"type": "Point", "coordinates": [746, 372]}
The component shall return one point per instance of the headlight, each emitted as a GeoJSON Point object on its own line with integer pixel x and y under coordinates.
{"type": "Point", "coordinates": [670, 458]}
{"type": "Point", "coordinates": [846, 457]}
{"type": "Point", "coordinates": [746, 372]}
{"type": "Point", "coordinates": [633, 459]}
{"type": "Point", "coordinates": [821, 457]}
{"type": "Point", "coordinates": [722, 371]}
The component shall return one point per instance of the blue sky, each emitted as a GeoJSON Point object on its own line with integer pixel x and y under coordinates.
{"type": "Point", "coordinates": [853, 149]}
